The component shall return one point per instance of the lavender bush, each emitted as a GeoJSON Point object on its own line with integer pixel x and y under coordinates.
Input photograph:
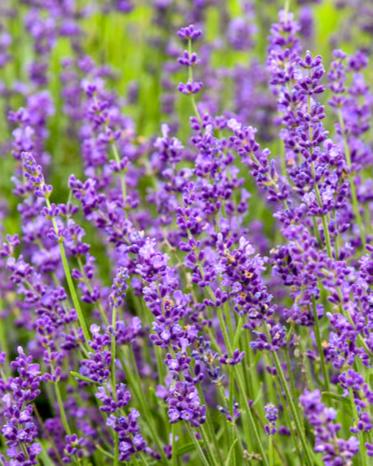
{"type": "Point", "coordinates": [186, 255]}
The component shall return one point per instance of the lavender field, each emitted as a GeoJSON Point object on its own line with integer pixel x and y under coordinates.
{"type": "Point", "coordinates": [186, 234]}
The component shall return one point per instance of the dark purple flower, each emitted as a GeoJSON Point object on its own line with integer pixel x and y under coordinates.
{"type": "Point", "coordinates": [189, 32]}
{"type": "Point", "coordinates": [191, 87]}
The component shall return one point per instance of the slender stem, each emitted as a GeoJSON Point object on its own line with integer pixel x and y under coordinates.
{"type": "Point", "coordinates": [290, 370]}
{"type": "Point", "coordinates": [206, 442]}
{"type": "Point", "coordinates": [326, 230]}
{"type": "Point", "coordinates": [355, 201]}
{"type": "Point", "coordinates": [288, 420]}
{"type": "Point", "coordinates": [47, 435]}
{"type": "Point", "coordinates": [362, 451]}
{"type": "Point", "coordinates": [69, 279]}
{"type": "Point", "coordinates": [3, 338]}
{"type": "Point", "coordinates": [82, 377]}
{"type": "Point", "coordinates": [250, 415]}
{"type": "Point", "coordinates": [104, 452]}
{"type": "Point", "coordinates": [61, 408]}
{"type": "Point", "coordinates": [190, 78]}
{"type": "Point", "coordinates": [122, 178]}
{"type": "Point", "coordinates": [316, 229]}
{"type": "Point", "coordinates": [210, 436]}
{"type": "Point", "coordinates": [113, 379]}
{"type": "Point", "coordinates": [197, 444]}
{"type": "Point", "coordinates": [241, 385]}
{"type": "Point", "coordinates": [144, 459]}
{"type": "Point", "coordinates": [224, 330]}
{"type": "Point", "coordinates": [317, 191]}
{"type": "Point", "coordinates": [90, 289]}
{"type": "Point", "coordinates": [284, 171]}
{"type": "Point", "coordinates": [323, 216]}
{"type": "Point", "coordinates": [113, 352]}
{"type": "Point", "coordinates": [173, 442]}
{"type": "Point", "coordinates": [134, 382]}
{"type": "Point", "coordinates": [270, 450]}
{"type": "Point", "coordinates": [319, 346]}
{"type": "Point", "coordinates": [117, 159]}
{"type": "Point", "coordinates": [293, 409]}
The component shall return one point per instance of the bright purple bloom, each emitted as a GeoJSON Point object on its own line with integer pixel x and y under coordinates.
{"type": "Point", "coordinates": [334, 450]}
{"type": "Point", "coordinates": [191, 87]}
{"type": "Point", "coordinates": [189, 32]}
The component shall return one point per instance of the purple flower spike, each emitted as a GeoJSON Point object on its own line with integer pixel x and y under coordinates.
{"type": "Point", "coordinates": [271, 415]}
{"type": "Point", "coordinates": [191, 87]}
{"type": "Point", "coordinates": [189, 32]}
{"type": "Point", "coordinates": [333, 449]}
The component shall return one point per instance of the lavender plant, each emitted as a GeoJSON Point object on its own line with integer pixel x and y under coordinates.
{"type": "Point", "coordinates": [186, 254]}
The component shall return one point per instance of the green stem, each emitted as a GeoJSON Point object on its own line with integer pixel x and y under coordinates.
{"type": "Point", "coordinates": [319, 346]}
{"type": "Point", "coordinates": [284, 171]}
{"type": "Point", "coordinates": [3, 338]}
{"type": "Point", "coordinates": [104, 452]}
{"type": "Point", "coordinates": [197, 444]}
{"type": "Point", "coordinates": [89, 286]}
{"type": "Point", "coordinates": [190, 78]}
{"type": "Point", "coordinates": [241, 385]}
{"type": "Point", "coordinates": [209, 434]}
{"type": "Point", "coordinates": [174, 454]}
{"type": "Point", "coordinates": [270, 450]}
{"type": "Point", "coordinates": [317, 191]}
{"type": "Point", "coordinates": [290, 370]}
{"type": "Point", "coordinates": [113, 379]}
{"type": "Point", "coordinates": [122, 178]}
{"type": "Point", "coordinates": [206, 442]}
{"type": "Point", "coordinates": [309, 456]}
{"type": "Point", "coordinates": [288, 422]}
{"type": "Point", "coordinates": [133, 379]}
{"type": "Point", "coordinates": [362, 452]}
{"type": "Point", "coordinates": [61, 408]}
{"type": "Point", "coordinates": [69, 280]}
{"type": "Point", "coordinates": [82, 377]}
{"type": "Point", "coordinates": [323, 216]}
{"type": "Point", "coordinates": [250, 416]}
{"type": "Point", "coordinates": [224, 330]}
{"type": "Point", "coordinates": [355, 202]}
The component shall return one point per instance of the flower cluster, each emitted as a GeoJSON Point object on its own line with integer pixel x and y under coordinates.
{"type": "Point", "coordinates": [186, 280]}
{"type": "Point", "coordinates": [20, 431]}
{"type": "Point", "coordinates": [334, 450]}
{"type": "Point", "coordinates": [189, 59]}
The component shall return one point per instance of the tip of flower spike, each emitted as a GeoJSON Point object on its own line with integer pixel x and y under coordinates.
{"type": "Point", "coordinates": [188, 59]}
{"type": "Point", "coordinates": [191, 87]}
{"type": "Point", "coordinates": [189, 32]}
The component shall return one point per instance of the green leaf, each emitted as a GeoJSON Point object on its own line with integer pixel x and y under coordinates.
{"type": "Point", "coordinates": [82, 377]}
{"type": "Point", "coordinates": [46, 460]}
{"type": "Point", "coordinates": [185, 449]}
{"type": "Point", "coordinates": [336, 396]}
{"type": "Point", "coordinates": [230, 453]}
